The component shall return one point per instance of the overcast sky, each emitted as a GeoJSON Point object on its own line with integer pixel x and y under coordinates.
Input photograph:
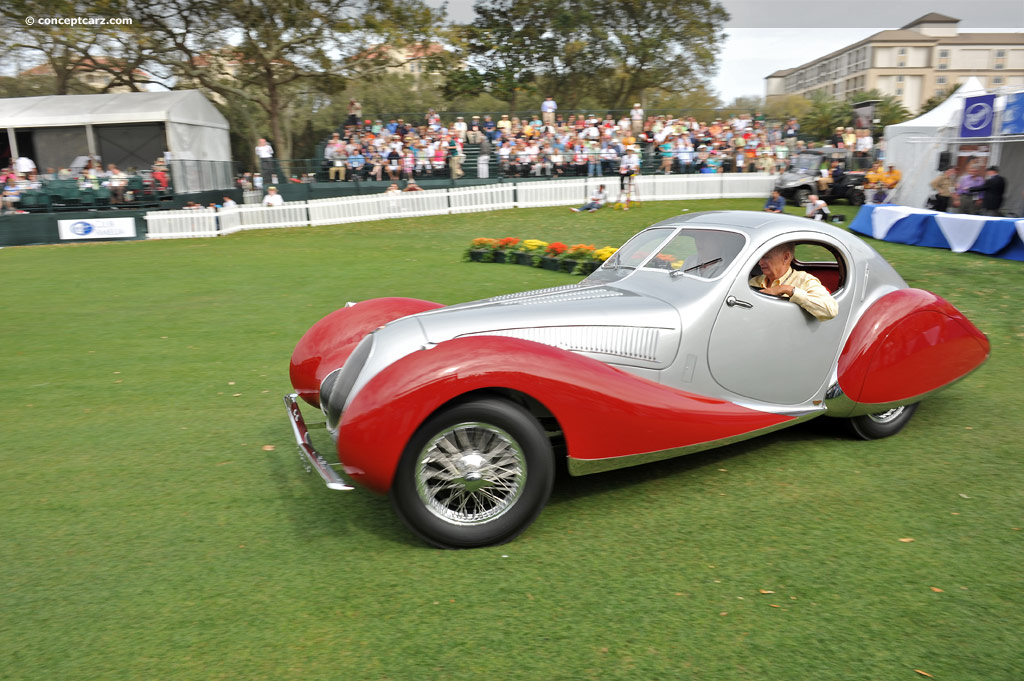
{"type": "Point", "coordinates": [765, 36]}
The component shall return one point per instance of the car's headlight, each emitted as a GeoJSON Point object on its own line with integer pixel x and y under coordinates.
{"type": "Point", "coordinates": [336, 386]}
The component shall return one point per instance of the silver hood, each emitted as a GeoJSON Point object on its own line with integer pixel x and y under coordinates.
{"type": "Point", "coordinates": [607, 323]}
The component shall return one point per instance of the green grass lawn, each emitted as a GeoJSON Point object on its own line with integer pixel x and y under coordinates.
{"type": "Point", "coordinates": [156, 523]}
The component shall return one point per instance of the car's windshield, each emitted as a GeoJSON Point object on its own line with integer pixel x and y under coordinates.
{"type": "Point", "coordinates": [810, 162]}
{"type": "Point", "coordinates": [637, 249]}
{"type": "Point", "coordinates": [701, 253]}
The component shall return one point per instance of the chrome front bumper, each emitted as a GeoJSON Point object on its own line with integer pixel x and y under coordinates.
{"type": "Point", "coordinates": [310, 457]}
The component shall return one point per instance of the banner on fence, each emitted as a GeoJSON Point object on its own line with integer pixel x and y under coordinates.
{"type": "Point", "coordinates": [99, 228]}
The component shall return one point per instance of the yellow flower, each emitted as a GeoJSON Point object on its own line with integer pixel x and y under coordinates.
{"type": "Point", "coordinates": [603, 254]}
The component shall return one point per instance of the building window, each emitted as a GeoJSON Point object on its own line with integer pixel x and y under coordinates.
{"type": "Point", "coordinates": [999, 65]}
{"type": "Point", "coordinates": [943, 54]}
{"type": "Point", "coordinates": [941, 80]}
{"type": "Point", "coordinates": [901, 63]}
{"type": "Point", "coordinates": [1000, 54]}
{"type": "Point", "coordinates": [899, 79]}
{"type": "Point", "coordinates": [899, 91]}
{"type": "Point", "coordinates": [943, 67]}
{"type": "Point", "coordinates": [997, 81]}
{"type": "Point", "coordinates": [902, 52]}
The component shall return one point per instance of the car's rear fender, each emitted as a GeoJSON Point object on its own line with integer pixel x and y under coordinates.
{"type": "Point", "coordinates": [603, 412]}
{"type": "Point", "coordinates": [908, 344]}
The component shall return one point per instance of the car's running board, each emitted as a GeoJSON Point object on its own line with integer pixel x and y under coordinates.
{"type": "Point", "coordinates": [310, 457]}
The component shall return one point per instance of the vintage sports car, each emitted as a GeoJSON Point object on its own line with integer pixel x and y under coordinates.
{"type": "Point", "coordinates": [461, 413]}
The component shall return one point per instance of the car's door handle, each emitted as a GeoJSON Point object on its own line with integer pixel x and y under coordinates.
{"type": "Point", "coordinates": [733, 301]}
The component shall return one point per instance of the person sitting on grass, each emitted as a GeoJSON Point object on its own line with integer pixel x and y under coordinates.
{"type": "Point", "coordinates": [597, 200]}
{"type": "Point", "coordinates": [775, 203]}
{"type": "Point", "coordinates": [817, 209]}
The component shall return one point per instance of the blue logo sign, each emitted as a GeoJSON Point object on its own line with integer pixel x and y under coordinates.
{"type": "Point", "coordinates": [978, 116]}
{"type": "Point", "coordinates": [81, 228]}
{"type": "Point", "coordinates": [1013, 115]}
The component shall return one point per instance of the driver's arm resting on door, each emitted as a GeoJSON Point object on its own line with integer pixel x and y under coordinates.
{"type": "Point", "coordinates": [803, 289]}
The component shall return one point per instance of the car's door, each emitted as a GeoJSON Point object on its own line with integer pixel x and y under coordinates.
{"type": "Point", "coordinates": [770, 349]}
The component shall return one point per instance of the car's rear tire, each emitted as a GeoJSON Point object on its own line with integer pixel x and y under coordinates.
{"type": "Point", "coordinates": [801, 195]}
{"type": "Point", "coordinates": [882, 424]}
{"type": "Point", "coordinates": [857, 197]}
{"type": "Point", "coordinates": [474, 475]}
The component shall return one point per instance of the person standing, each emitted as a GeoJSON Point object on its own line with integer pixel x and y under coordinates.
{"type": "Point", "coordinates": [992, 190]}
{"type": "Point", "coordinates": [355, 113]}
{"type": "Point", "coordinates": [964, 200]}
{"type": "Point", "coordinates": [547, 110]}
{"type": "Point", "coordinates": [636, 118]}
{"type": "Point", "coordinates": [265, 153]}
{"type": "Point", "coordinates": [944, 185]}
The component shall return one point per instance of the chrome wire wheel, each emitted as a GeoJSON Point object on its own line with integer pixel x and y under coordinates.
{"type": "Point", "coordinates": [470, 473]}
{"type": "Point", "coordinates": [887, 416]}
{"type": "Point", "coordinates": [883, 423]}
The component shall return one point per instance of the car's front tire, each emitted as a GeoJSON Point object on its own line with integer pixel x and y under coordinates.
{"type": "Point", "coordinates": [882, 424]}
{"type": "Point", "coordinates": [475, 474]}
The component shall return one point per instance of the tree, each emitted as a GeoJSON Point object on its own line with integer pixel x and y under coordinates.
{"type": "Point", "coordinates": [268, 52]}
{"type": "Point", "coordinates": [824, 115]}
{"type": "Point", "coordinates": [748, 104]}
{"type": "Point", "coordinates": [787, 106]}
{"type": "Point", "coordinates": [64, 53]}
{"type": "Point", "coordinates": [505, 47]}
{"type": "Point", "coordinates": [934, 101]}
{"type": "Point", "coordinates": [888, 111]}
{"type": "Point", "coordinates": [616, 50]}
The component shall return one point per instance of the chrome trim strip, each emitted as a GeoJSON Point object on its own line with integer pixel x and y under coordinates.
{"type": "Point", "coordinates": [589, 466]}
{"type": "Point", "coordinates": [310, 457]}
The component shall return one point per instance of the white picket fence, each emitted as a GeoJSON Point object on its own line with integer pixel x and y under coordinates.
{"type": "Point", "coordinates": [206, 222]}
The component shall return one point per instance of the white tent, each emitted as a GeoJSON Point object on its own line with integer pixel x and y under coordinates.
{"type": "Point", "coordinates": [914, 146]}
{"type": "Point", "coordinates": [130, 129]}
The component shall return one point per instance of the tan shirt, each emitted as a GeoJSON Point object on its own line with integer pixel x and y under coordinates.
{"type": "Point", "coordinates": [808, 293]}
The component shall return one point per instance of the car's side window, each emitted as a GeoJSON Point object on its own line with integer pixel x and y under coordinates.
{"type": "Point", "coordinates": [823, 262]}
{"type": "Point", "coordinates": [819, 259]}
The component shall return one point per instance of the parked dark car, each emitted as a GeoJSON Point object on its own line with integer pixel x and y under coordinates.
{"type": "Point", "coordinates": [800, 179]}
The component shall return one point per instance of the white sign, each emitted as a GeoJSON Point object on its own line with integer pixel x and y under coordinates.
{"type": "Point", "coordinates": [99, 228]}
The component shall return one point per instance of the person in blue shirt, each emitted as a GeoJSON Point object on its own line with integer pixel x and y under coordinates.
{"type": "Point", "coordinates": [356, 162]}
{"type": "Point", "coordinates": [775, 203]}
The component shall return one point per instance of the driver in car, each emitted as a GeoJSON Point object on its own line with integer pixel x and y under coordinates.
{"type": "Point", "coordinates": [777, 278]}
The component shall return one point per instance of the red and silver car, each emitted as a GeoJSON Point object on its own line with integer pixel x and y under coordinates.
{"type": "Point", "coordinates": [461, 413]}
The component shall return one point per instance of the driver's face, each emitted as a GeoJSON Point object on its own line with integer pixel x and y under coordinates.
{"type": "Point", "coordinates": [774, 264]}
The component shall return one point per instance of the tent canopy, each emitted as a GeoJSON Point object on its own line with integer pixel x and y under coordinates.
{"type": "Point", "coordinates": [188, 107]}
{"type": "Point", "coordinates": [915, 146]}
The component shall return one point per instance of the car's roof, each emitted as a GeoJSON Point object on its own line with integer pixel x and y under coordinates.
{"type": "Point", "coordinates": [759, 226]}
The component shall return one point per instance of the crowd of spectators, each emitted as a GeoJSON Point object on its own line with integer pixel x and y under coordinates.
{"type": "Point", "coordinates": [22, 183]}
{"type": "Point", "coordinates": [550, 145]}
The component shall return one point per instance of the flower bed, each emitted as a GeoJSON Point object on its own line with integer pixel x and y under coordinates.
{"type": "Point", "coordinates": [576, 259]}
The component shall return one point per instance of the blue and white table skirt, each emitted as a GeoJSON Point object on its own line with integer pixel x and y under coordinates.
{"type": "Point", "coordinates": [998, 237]}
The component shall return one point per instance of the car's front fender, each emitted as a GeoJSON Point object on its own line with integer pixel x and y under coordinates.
{"type": "Point", "coordinates": [328, 343]}
{"type": "Point", "coordinates": [603, 412]}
